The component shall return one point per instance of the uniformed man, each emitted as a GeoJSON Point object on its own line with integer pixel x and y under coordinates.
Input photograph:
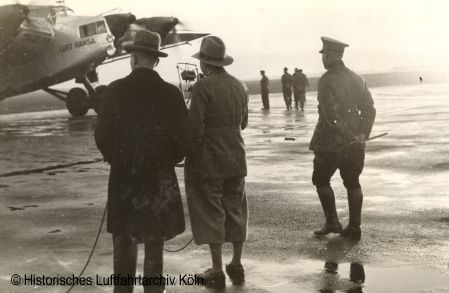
{"type": "Point", "coordinates": [215, 169]}
{"type": "Point", "coordinates": [346, 116]}
{"type": "Point", "coordinates": [141, 132]}
{"type": "Point", "coordinates": [300, 83]}
{"type": "Point", "coordinates": [287, 82]}
{"type": "Point", "coordinates": [264, 90]}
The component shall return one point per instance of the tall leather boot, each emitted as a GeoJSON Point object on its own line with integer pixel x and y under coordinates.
{"type": "Point", "coordinates": [327, 199]}
{"type": "Point", "coordinates": [355, 200]}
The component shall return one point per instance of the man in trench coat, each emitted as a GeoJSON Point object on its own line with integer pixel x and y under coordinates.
{"type": "Point", "coordinates": [141, 133]}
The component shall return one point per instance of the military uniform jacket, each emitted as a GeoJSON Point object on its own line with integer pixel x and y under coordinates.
{"type": "Point", "coordinates": [287, 80]}
{"type": "Point", "coordinates": [345, 107]}
{"type": "Point", "coordinates": [141, 132]}
{"type": "Point", "coordinates": [218, 113]}
{"type": "Point", "coordinates": [264, 83]}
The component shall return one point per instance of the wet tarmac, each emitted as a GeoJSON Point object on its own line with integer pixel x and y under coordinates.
{"type": "Point", "coordinates": [49, 219]}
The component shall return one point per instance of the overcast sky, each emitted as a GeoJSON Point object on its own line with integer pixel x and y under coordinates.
{"type": "Point", "coordinates": [383, 35]}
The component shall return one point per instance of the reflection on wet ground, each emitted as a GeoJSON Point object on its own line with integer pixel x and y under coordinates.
{"type": "Point", "coordinates": [49, 219]}
{"type": "Point", "coordinates": [42, 124]}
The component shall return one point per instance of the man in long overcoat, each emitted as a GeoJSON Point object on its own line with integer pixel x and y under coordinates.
{"type": "Point", "coordinates": [216, 168]}
{"type": "Point", "coordinates": [141, 132]}
{"type": "Point", "coordinates": [346, 117]}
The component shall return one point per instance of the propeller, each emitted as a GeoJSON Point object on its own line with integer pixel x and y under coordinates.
{"type": "Point", "coordinates": [119, 24]}
{"type": "Point", "coordinates": [162, 25]}
{"type": "Point", "coordinates": [123, 25]}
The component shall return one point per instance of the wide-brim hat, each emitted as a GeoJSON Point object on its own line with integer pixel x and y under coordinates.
{"type": "Point", "coordinates": [146, 42]}
{"type": "Point", "coordinates": [213, 52]}
{"type": "Point", "coordinates": [332, 45]}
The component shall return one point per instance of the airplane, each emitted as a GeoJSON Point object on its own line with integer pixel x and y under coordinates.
{"type": "Point", "coordinates": [42, 46]}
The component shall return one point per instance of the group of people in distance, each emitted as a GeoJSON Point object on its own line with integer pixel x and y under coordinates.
{"type": "Point", "coordinates": [144, 129]}
{"type": "Point", "coordinates": [296, 84]}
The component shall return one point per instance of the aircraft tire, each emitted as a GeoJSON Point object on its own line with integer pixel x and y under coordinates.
{"type": "Point", "coordinates": [96, 99]}
{"type": "Point", "coordinates": [77, 102]}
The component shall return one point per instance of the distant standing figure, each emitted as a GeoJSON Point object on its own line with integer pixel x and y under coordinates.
{"type": "Point", "coordinates": [287, 82]}
{"type": "Point", "coordinates": [420, 79]}
{"type": "Point", "coordinates": [346, 116]}
{"type": "Point", "coordinates": [265, 90]}
{"type": "Point", "coordinates": [300, 83]}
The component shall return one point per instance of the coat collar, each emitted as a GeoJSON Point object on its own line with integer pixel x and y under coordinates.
{"type": "Point", "coordinates": [336, 65]}
{"type": "Point", "coordinates": [146, 75]}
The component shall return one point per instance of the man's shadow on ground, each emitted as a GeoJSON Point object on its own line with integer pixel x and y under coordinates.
{"type": "Point", "coordinates": [331, 280]}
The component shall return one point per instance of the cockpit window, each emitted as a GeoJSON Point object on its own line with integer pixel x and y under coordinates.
{"type": "Point", "coordinates": [93, 28]}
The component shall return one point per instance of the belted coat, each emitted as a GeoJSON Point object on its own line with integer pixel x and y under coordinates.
{"type": "Point", "coordinates": [345, 107]}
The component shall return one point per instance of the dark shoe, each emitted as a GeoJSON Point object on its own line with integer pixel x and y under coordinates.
{"type": "Point", "coordinates": [353, 233]}
{"type": "Point", "coordinates": [328, 228]}
{"type": "Point", "coordinates": [236, 273]}
{"type": "Point", "coordinates": [214, 280]}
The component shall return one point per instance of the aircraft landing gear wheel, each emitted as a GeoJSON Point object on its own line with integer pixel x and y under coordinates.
{"type": "Point", "coordinates": [77, 102]}
{"type": "Point", "coordinates": [97, 98]}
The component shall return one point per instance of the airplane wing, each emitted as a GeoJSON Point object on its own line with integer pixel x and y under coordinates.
{"type": "Point", "coordinates": [180, 38]}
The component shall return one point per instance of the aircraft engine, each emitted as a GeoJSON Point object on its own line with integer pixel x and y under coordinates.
{"type": "Point", "coordinates": [161, 25]}
{"type": "Point", "coordinates": [122, 26]}
{"type": "Point", "coordinates": [11, 17]}
{"type": "Point", "coordinates": [119, 24]}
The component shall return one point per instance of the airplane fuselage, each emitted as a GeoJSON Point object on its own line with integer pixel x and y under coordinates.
{"type": "Point", "coordinates": [46, 53]}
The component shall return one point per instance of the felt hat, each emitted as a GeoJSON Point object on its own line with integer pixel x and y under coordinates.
{"type": "Point", "coordinates": [213, 52]}
{"type": "Point", "coordinates": [145, 41]}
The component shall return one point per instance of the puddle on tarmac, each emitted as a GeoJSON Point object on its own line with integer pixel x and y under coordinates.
{"type": "Point", "coordinates": [316, 276]}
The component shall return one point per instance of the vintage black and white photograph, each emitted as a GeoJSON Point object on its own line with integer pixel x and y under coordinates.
{"type": "Point", "coordinates": [266, 146]}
